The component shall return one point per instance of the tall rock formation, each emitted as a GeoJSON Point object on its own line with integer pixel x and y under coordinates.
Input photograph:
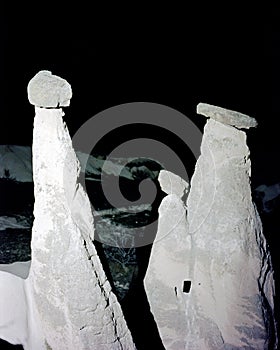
{"type": "Point", "coordinates": [75, 303]}
{"type": "Point", "coordinates": [210, 280]}
{"type": "Point", "coordinates": [230, 305]}
{"type": "Point", "coordinates": [67, 301]}
{"type": "Point", "coordinates": [166, 278]}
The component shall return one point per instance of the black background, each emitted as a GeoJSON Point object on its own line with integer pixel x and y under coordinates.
{"type": "Point", "coordinates": [174, 56]}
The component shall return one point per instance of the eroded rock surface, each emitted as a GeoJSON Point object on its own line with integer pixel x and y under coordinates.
{"type": "Point", "coordinates": [210, 281]}
{"type": "Point", "coordinates": [66, 301]}
{"type": "Point", "coordinates": [230, 305]}
{"type": "Point", "coordinates": [172, 184]}
{"type": "Point", "coordinates": [166, 274]}
{"type": "Point", "coordinates": [226, 116]}
{"type": "Point", "coordinates": [75, 302]}
{"type": "Point", "coordinates": [49, 91]}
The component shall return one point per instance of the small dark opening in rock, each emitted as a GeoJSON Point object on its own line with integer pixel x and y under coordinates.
{"type": "Point", "coordinates": [7, 346]}
{"type": "Point", "coordinates": [187, 286]}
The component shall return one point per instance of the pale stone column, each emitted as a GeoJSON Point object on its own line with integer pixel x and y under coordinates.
{"type": "Point", "coordinates": [230, 304]}
{"type": "Point", "coordinates": [210, 280]}
{"type": "Point", "coordinates": [72, 296]}
{"type": "Point", "coordinates": [166, 277]}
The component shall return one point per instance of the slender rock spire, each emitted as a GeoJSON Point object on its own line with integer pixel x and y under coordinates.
{"type": "Point", "coordinates": [66, 302]}
{"type": "Point", "coordinates": [166, 279]}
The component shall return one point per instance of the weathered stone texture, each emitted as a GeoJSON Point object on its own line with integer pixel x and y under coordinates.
{"type": "Point", "coordinates": [218, 253]}
{"type": "Point", "coordinates": [49, 91]}
{"type": "Point", "coordinates": [74, 299]}
{"type": "Point", "coordinates": [231, 302]}
{"type": "Point", "coordinates": [226, 116]}
{"type": "Point", "coordinates": [167, 266]}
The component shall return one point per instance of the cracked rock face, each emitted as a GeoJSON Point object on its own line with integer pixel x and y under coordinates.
{"type": "Point", "coordinates": [166, 273]}
{"type": "Point", "coordinates": [76, 306]}
{"type": "Point", "coordinates": [230, 304]}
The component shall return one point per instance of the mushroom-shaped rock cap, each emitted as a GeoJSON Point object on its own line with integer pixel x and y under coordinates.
{"type": "Point", "coordinates": [172, 184]}
{"type": "Point", "coordinates": [49, 91]}
{"type": "Point", "coordinates": [226, 116]}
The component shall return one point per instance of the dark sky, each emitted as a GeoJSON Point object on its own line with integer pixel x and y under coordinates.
{"type": "Point", "coordinates": [178, 58]}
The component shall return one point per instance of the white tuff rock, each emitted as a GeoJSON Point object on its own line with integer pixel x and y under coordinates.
{"type": "Point", "coordinates": [166, 273]}
{"type": "Point", "coordinates": [226, 116]}
{"type": "Point", "coordinates": [230, 305]}
{"type": "Point", "coordinates": [49, 91]}
{"type": "Point", "coordinates": [67, 301]}
{"type": "Point", "coordinates": [172, 184]}
{"type": "Point", "coordinates": [210, 280]}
